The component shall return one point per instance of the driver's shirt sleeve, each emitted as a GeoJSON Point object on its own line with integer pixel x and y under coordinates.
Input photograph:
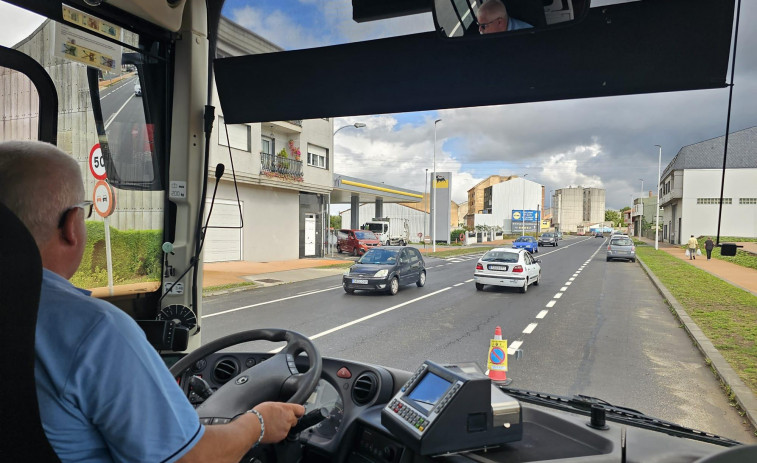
{"type": "Point", "coordinates": [104, 392]}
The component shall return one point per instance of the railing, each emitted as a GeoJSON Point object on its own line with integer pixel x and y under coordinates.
{"type": "Point", "coordinates": [273, 165]}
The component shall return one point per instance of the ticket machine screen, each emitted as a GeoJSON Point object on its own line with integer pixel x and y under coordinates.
{"type": "Point", "coordinates": [429, 390]}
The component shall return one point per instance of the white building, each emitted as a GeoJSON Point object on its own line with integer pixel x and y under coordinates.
{"type": "Point", "coordinates": [574, 206]}
{"type": "Point", "coordinates": [690, 189]}
{"type": "Point", "coordinates": [516, 194]}
{"type": "Point", "coordinates": [294, 191]}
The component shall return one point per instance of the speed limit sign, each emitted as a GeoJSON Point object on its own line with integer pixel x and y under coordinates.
{"type": "Point", "coordinates": [97, 162]}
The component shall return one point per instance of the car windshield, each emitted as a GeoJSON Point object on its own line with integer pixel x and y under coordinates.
{"type": "Point", "coordinates": [365, 235]}
{"type": "Point", "coordinates": [379, 256]}
{"type": "Point", "coordinates": [500, 256]}
{"type": "Point", "coordinates": [455, 181]}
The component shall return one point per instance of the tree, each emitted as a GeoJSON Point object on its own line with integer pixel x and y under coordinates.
{"type": "Point", "coordinates": [335, 221]}
{"type": "Point", "coordinates": [614, 217]}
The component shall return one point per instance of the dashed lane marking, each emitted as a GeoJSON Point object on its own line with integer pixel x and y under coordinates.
{"type": "Point", "coordinates": [557, 296]}
{"type": "Point", "coordinates": [530, 328]}
{"type": "Point", "coordinates": [542, 314]}
{"type": "Point", "coordinates": [551, 304]}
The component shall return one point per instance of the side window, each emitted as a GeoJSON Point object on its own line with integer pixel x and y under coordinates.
{"type": "Point", "coordinates": [413, 256]}
{"type": "Point", "coordinates": [527, 258]}
{"type": "Point", "coordinates": [403, 257]}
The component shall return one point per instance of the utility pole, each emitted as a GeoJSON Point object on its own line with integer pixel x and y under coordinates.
{"type": "Point", "coordinates": [657, 209]}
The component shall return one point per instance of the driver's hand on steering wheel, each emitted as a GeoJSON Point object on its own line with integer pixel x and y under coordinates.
{"type": "Point", "coordinates": [279, 418]}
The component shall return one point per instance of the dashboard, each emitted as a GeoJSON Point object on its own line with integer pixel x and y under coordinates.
{"type": "Point", "coordinates": [352, 396]}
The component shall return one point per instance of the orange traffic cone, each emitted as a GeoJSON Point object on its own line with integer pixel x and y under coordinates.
{"type": "Point", "coordinates": [497, 361]}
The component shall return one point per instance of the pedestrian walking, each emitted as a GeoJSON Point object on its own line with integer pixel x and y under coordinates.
{"type": "Point", "coordinates": [693, 244]}
{"type": "Point", "coordinates": [708, 246]}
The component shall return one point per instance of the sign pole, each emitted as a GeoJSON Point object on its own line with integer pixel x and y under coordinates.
{"type": "Point", "coordinates": [108, 257]}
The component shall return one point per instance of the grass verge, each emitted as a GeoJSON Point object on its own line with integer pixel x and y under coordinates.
{"type": "Point", "coordinates": [726, 314]}
{"type": "Point", "coordinates": [340, 265]}
{"type": "Point", "coordinates": [226, 287]}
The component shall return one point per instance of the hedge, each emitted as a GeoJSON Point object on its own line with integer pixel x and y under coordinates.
{"type": "Point", "coordinates": [136, 256]}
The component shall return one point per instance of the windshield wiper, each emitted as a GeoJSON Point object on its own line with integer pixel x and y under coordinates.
{"type": "Point", "coordinates": [583, 404]}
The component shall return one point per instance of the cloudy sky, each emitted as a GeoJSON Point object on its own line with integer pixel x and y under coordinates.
{"type": "Point", "coordinates": [602, 142]}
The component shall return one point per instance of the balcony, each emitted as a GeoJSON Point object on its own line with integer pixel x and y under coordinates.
{"type": "Point", "coordinates": [673, 195]}
{"type": "Point", "coordinates": [272, 165]}
{"type": "Point", "coordinates": [285, 127]}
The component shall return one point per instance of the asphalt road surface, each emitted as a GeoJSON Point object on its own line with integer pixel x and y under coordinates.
{"type": "Point", "coordinates": [591, 327]}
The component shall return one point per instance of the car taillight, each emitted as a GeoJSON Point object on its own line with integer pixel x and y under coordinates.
{"type": "Point", "coordinates": [518, 269]}
{"type": "Point", "coordinates": [479, 266]}
{"type": "Point", "coordinates": [608, 248]}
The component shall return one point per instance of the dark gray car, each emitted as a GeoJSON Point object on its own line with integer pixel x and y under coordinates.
{"type": "Point", "coordinates": [386, 268]}
{"type": "Point", "coordinates": [621, 248]}
{"type": "Point", "coordinates": [548, 239]}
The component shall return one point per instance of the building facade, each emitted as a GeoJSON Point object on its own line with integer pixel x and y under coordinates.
{"type": "Point", "coordinates": [507, 199]}
{"type": "Point", "coordinates": [284, 169]}
{"type": "Point", "coordinates": [690, 189]}
{"type": "Point", "coordinates": [574, 206]}
{"type": "Point", "coordinates": [479, 197]}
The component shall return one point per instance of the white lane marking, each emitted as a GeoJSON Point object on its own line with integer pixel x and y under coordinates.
{"type": "Point", "coordinates": [561, 248]}
{"type": "Point", "coordinates": [530, 328]}
{"type": "Point", "coordinates": [542, 314]}
{"type": "Point", "coordinates": [568, 283]}
{"type": "Point", "coordinates": [551, 304]}
{"type": "Point", "coordinates": [269, 302]}
{"type": "Point", "coordinates": [571, 278]}
{"type": "Point", "coordinates": [368, 317]}
{"type": "Point", "coordinates": [113, 116]}
{"type": "Point", "coordinates": [557, 296]}
{"type": "Point", "coordinates": [468, 281]}
{"type": "Point", "coordinates": [459, 284]}
{"type": "Point", "coordinates": [564, 288]}
{"type": "Point", "coordinates": [513, 347]}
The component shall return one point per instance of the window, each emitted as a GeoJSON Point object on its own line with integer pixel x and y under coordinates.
{"type": "Point", "coordinates": [239, 134]}
{"type": "Point", "coordinates": [266, 145]}
{"type": "Point", "coordinates": [318, 157]}
{"type": "Point", "coordinates": [714, 200]}
{"type": "Point", "coordinates": [747, 200]}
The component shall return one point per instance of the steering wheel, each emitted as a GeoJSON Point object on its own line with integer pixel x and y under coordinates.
{"type": "Point", "coordinates": [272, 380]}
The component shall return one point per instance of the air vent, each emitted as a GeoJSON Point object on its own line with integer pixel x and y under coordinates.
{"type": "Point", "coordinates": [365, 388]}
{"type": "Point", "coordinates": [225, 370]}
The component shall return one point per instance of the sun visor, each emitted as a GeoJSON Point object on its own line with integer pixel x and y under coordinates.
{"type": "Point", "coordinates": [631, 48]}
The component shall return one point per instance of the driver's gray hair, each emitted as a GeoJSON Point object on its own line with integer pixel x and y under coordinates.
{"type": "Point", "coordinates": [38, 182]}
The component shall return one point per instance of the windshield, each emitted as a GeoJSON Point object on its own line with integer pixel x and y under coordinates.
{"type": "Point", "coordinates": [379, 256]}
{"type": "Point", "coordinates": [455, 181]}
{"type": "Point", "coordinates": [500, 256]}
{"type": "Point", "coordinates": [365, 235]}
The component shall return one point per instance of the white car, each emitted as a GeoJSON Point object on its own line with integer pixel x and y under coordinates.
{"type": "Point", "coordinates": [516, 268]}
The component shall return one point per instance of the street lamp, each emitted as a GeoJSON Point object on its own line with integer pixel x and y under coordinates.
{"type": "Point", "coordinates": [657, 209]}
{"type": "Point", "coordinates": [425, 209]}
{"type": "Point", "coordinates": [523, 212]}
{"type": "Point", "coordinates": [433, 194]}
{"type": "Point", "coordinates": [641, 205]}
{"type": "Point", "coordinates": [357, 125]}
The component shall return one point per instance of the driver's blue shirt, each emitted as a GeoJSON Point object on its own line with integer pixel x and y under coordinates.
{"type": "Point", "coordinates": [104, 392]}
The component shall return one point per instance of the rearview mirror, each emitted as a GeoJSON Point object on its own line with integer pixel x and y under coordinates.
{"type": "Point", "coordinates": [462, 18]}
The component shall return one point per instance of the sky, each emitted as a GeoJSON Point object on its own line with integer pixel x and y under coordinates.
{"type": "Point", "coordinates": [600, 142]}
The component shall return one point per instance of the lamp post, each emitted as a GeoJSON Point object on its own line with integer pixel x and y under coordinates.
{"type": "Point", "coordinates": [657, 209]}
{"type": "Point", "coordinates": [433, 194]}
{"type": "Point", "coordinates": [641, 205]}
{"type": "Point", "coordinates": [425, 209]}
{"type": "Point", "coordinates": [523, 212]}
{"type": "Point", "coordinates": [357, 125]}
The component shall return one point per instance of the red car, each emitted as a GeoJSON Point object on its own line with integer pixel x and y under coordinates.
{"type": "Point", "coordinates": [356, 242]}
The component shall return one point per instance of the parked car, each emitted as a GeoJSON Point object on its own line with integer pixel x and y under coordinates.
{"type": "Point", "coordinates": [621, 248]}
{"type": "Point", "coordinates": [356, 242]}
{"type": "Point", "coordinates": [547, 239]}
{"type": "Point", "coordinates": [507, 267]}
{"type": "Point", "coordinates": [526, 242]}
{"type": "Point", "coordinates": [137, 90]}
{"type": "Point", "coordinates": [386, 268]}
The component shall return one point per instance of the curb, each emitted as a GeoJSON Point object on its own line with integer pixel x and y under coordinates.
{"type": "Point", "coordinates": [743, 396]}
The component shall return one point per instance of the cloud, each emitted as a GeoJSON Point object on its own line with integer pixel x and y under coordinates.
{"type": "Point", "coordinates": [22, 24]}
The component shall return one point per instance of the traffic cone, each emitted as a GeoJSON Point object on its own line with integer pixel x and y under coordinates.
{"type": "Point", "coordinates": [498, 357]}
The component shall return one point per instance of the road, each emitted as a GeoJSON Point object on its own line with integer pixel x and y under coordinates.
{"type": "Point", "coordinates": [591, 327]}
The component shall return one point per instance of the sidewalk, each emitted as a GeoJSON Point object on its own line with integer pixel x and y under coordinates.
{"type": "Point", "coordinates": [742, 277]}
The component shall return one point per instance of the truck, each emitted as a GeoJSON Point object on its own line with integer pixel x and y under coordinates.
{"type": "Point", "coordinates": [390, 231]}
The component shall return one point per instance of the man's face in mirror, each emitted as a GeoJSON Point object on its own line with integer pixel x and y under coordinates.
{"type": "Point", "coordinates": [492, 17]}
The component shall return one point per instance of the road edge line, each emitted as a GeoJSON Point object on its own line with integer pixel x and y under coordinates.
{"type": "Point", "coordinates": [743, 396]}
